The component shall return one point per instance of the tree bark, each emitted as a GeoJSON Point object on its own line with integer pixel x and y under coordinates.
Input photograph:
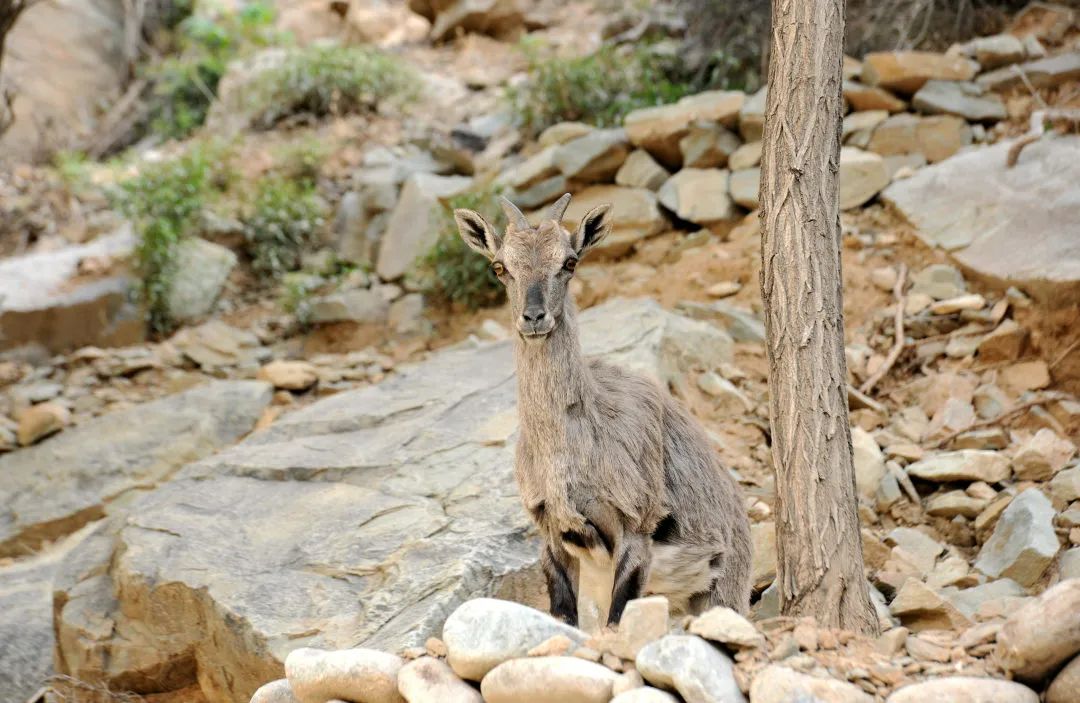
{"type": "Point", "coordinates": [820, 567]}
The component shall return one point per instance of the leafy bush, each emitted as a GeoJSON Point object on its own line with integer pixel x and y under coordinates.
{"type": "Point", "coordinates": [163, 202]}
{"type": "Point", "coordinates": [184, 85]}
{"type": "Point", "coordinates": [599, 88]}
{"type": "Point", "coordinates": [324, 80]}
{"type": "Point", "coordinates": [283, 218]}
{"type": "Point", "coordinates": [454, 273]}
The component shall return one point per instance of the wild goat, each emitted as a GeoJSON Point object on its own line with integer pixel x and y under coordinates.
{"type": "Point", "coordinates": [615, 473]}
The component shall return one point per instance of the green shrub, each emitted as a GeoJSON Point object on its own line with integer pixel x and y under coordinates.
{"type": "Point", "coordinates": [599, 88]}
{"type": "Point", "coordinates": [185, 84]}
{"type": "Point", "coordinates": [283, 218]}
{"type": "Point", "coordinates": [163, 202]}
{"type": "Point", "coordinates": [323, 80]}
{"type": "Point", "coordinates": [300, 159]}
{"type": "Point", "coordinates": [453, 273]}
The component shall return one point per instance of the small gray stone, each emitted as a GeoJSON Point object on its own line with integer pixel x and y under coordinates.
{"type": "Point", "coordinates": [640, 170]}
{"type": "Point", "coordinates": [1023, 543]}
{"type": "Point", "coordinates": [707, 145]}
{"type": "Point", "coordinates": [962, 465]}
{"type": "Point", "coordinates": [939, 281]}
{"type": "Point", "coordinates": [484, 632]}
{"type": "Point", "coordinates": [1042, 456]}
{"type": "Point", "coordinates": [362, 305]}
{"type": "Point", "coordinates": [1065, 486]}
{"type": "Point", "coordinates": [202, 268]}
{"type": "Point", "coordinates": [725, 626]}
{"type": "Point", "coordinates": [744, 187]}
{"type": "Point", "coordinates": [967, 100]}
{"type": "Point", "coordinates": [698, 195]}
{"type": "Point", "coordinates": [595, 157]}
{"type": "Point", "coordinates": [693, 667]}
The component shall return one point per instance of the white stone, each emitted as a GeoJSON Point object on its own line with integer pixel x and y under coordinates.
{"type": "Point", "coordinates": [359, 675]}
{"type": "Point", "coordinates": [725, 626]}
{"type": "Point", "coordinates": [869, 462]}
{"type": "Point", "coordinates": [548, 679]}
{"type": "Point", "coordinates": [691, 666]}
{"type": "Point", "coordinates": [484, 632]}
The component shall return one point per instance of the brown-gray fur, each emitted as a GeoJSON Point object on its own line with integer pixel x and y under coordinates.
{"type": "Point", "coordinates": [609, 465]}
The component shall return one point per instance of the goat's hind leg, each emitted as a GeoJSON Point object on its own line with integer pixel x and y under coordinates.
{"type": "Point", "coordinates": [633, 554]}
{"type": "Point", "coordinates": [560, 572]}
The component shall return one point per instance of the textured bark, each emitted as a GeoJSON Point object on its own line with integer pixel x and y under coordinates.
{"type": "Point", "coordinates": [820, 569]}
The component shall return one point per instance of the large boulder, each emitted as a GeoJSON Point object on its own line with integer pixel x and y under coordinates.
{"type": "Point", "coordinates": [26, 631]}
{"type": "Point", "coordinates": [1023, 543]}
{"type": "Point", "coordinates": [414, 221]}
{"type": "Point", "coordinates": [907, 71]}
{"type": "Point", "coordinates": [659, 130]}
{"type": "Point", "coordinates": [1003, 225]}
{"type": "Point", "coordinates": [361, 520]}
{"type": "Point", "coordinates": [58, 486]}
{"type": "Point", "coordinates": [46, 301]}
{"type": "Point", "coordinates": [79, 45]}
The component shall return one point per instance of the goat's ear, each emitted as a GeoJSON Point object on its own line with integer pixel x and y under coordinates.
{"type": "Point", "coordinates": [476, 232]}
{"type": "Point", "coordinates": [593, 228]}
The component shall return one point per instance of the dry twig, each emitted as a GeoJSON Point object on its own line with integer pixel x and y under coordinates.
{"type": "Point", "coordinates": [898, 342]}
{"type": "Point", "coordinates": [862, 399]}
{"type": "Point", "coordinates": [1064, 355]}
{"type": "Point", "coordinates": [1041, 399]}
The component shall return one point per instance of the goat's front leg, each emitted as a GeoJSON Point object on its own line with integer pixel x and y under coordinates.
{"type": "Point", "coordinates": [560, 571]}
{"type": "Point", "coordinates": [633, 553]}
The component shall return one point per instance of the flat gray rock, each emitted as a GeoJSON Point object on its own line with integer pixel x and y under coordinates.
{"type": "Point", "coordinates": [364, 519]}
{"type": "Point", "coordinates": [56, 487]}
{"type": "Point", "coordinates": [1024, 542]}
{"type": "Point", "coordinates": [45, 302]}
{"type": "Point", "coordinates": [1003, 225]}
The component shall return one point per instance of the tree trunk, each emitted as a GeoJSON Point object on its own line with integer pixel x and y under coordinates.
{"type": "Point", "coordinates": [820, 569]}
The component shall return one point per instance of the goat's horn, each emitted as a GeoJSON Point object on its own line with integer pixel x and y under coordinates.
{"type": "Point", "coordinates": [513, 215]}
{"type": "Point", "coordinates": [558, 208]}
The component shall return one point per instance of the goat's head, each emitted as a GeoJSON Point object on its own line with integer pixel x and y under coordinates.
{"type": "Point", "coordinates": [535, 263]}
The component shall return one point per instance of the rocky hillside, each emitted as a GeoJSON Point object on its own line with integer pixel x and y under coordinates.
{"type": "Point", "coordinates": [257, 404]}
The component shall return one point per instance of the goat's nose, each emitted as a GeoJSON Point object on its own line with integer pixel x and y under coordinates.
{"type": "Point", "coordinates": [533, 314]}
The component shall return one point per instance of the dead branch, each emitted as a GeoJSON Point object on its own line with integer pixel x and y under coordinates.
{"type": "Point", "coordinates": [905, 482]}
{"type": "Point", "coordinates": [1063, 355]}
{"type": "Point", "coordinates": [898, 331]}
{"type": "Point", "coordinates": [854, 396]}
{"type": "Point", "coordinates": [1041, 399]}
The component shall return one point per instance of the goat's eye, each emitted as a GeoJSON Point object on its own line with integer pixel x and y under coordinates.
{"type": "Point", "coordinates": [570, 264]}
{"type": "Point", "coordinates": [497, 268]}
